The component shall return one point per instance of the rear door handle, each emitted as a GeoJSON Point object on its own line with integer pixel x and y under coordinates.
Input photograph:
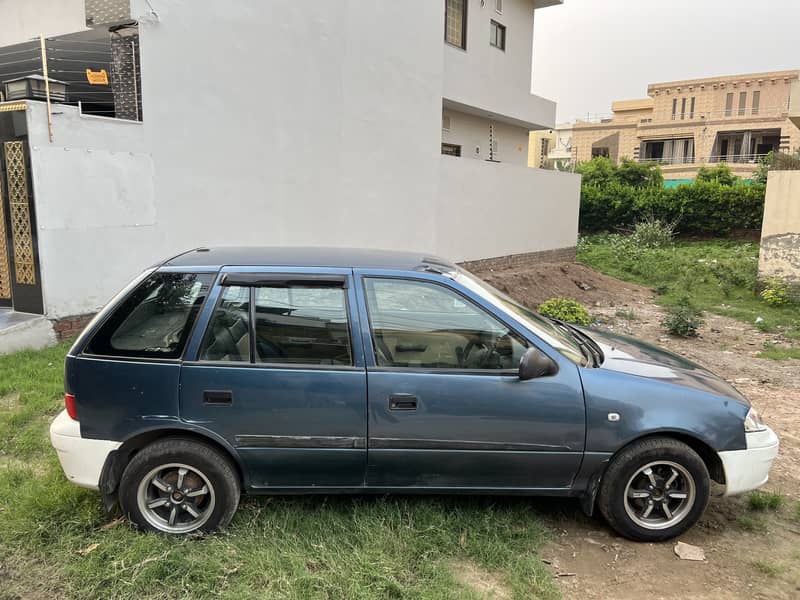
{"type": "Point", "coordinates": [402, 402]}
{"type": "Point", "coordinates": [217, 397]}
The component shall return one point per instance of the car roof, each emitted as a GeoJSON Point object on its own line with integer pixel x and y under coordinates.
{"type": "Point", "coordinates": [288, 256]}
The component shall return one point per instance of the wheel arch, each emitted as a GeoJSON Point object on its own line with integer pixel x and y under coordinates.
{"type": "Point", "coordinates": [119, 459]}
{"type": "Point", "coordinates": [704, 450]}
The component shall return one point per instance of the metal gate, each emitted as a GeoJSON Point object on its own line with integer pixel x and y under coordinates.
{"type": "Point", "coordinates": [20, 282]}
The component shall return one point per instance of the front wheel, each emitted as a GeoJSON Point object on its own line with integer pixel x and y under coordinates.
{"type": "Point", "coordinates": [654, 490]}
{"type": "Point", "coordinates": [179, 486]}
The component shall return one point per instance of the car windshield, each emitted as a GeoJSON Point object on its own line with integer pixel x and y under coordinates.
{"type": "Point", "coordinates": [545, 329]}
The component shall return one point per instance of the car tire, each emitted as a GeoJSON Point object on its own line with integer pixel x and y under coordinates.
{"type": "Point", "coordinates": [179, 486]}
{"type": "Point", "coordinates": [654, 490]}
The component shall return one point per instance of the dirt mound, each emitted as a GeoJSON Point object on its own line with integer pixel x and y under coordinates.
{"type": "Point", "coordinates": [534, 283]}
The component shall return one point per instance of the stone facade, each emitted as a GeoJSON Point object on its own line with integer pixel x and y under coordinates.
{"type": "Point", "coordinates": [686, 124]}
{"type": "Point", "coordinates": [780, 233]}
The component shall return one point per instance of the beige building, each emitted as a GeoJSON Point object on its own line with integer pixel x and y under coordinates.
{"type": "Point", "coordinates": [551, 148]}
{"type": "Point", "coordinates": [685, 124]}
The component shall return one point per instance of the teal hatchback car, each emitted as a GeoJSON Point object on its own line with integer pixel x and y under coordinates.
{"type": "Point", "coordinates": [320, 371]}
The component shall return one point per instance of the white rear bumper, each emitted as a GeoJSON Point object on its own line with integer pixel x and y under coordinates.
{"type": "Point", "coordinates": [748, 469]}
{"type": "Point", "coordinates": [82, 459]}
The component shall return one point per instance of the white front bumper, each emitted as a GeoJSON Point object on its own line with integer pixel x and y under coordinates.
{"type": "Point", "coordinates": [82, 459]}
{"type": "Point", "coordinates": [748, 469]}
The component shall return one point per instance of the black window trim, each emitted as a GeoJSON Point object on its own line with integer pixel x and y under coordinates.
{"type": "Point", "coordinates": [501, 28]}
{"type": "Point", "coordinates": [264, 280]}
{"type": "Point", "coordinates": [84, 353]}
{"type": "Point", "coordinates": [436, 370]}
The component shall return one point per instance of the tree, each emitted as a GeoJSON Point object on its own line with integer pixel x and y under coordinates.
{"type": "Point", "coordinates": [646, 174]}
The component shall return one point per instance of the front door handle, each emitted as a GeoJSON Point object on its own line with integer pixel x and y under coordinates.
{"type": "Point", "coordinates": [217, 397]}
{"type": "Point", "coordinates": [402, 402]}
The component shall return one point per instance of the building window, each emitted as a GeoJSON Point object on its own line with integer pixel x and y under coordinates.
{"type": "Point", "coordinates": [683, 109]}
{"type": "Point", "coordinates": [601, 151]}
{"type": "Point", "coordinates": [691, 108]}
{"type": "Point", "coordinates": [497, 35]}
{"type": "Point", "coordinates": [729, 104]}
{"type": "Point", "coordinates": [742, 103]}
{"type": "Point", "coordinates": [756, 102]}
{"type": "Point", "coordinates": [451, 149]}
{"type": "Point", "coordinates": [445, 122]}
{"type": "Point", "coordinates": [455, 23]}
{"type": "Point", "coordinates": [674, 108]}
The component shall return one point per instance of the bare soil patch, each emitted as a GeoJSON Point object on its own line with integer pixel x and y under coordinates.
{"type": "Point", "coordinates": [485, 583]}
{"type": "Point", "coordinates": [748, 554]}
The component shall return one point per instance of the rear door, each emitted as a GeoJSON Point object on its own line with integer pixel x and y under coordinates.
{"type": "Point", "coordinates": [276, 370]}
{"type": "Point", "coordinates": [446, 406]}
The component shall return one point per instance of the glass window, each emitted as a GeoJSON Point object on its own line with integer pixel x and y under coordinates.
{"type": "Point", "coordinates": [742, 103]}
{"type": "Point", "coordinates": [451, 149]}
{"type": "Point", "coordinates": [155, 320]}
{"type": "Point", "coordinates": [455, 17]}
{"type": "Point", "coordinates": [729, 104]}
{"type": "Point", "coordinates": [497, 35]}
{"type": "Point", "coordinates": [228, 335]}
{"type": "Point", "coordinates": [302, 325]}
{"type": "Point", "coordinates": [418, 324]}
{"type": "Point", "coordinates": [756, 102]}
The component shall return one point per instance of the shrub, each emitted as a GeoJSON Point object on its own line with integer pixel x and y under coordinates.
{"type": "Point", "coordinates": [565, 309]}
{"type": "Point", "coordinates": [761, 500]}
{"type": "Point", "coordinates": [776, 293]}
{"type": "Point", "coordinates": [617, 197]}
{"type": "Point", "coordinates": [652, 233]}
{"type": "Point", "coordinates": [683, 319]}
{"type": "Point", "coordinates": [721, 174]}
{"type": "Point", "coordinates": [735, 273]}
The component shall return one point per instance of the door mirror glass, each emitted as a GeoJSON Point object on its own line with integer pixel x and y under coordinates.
{"type": "Point", "coordinates": [535, 363]}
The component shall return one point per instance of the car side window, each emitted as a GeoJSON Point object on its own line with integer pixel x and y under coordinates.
{"type": "Point", "coordinates": [299, 324]}
{"type": "Point", "coordinates": [155, 320]}
{"type": "Point", "coordinates": [227, 338]}
{"type": "Point", "coordinates": [417, 324]}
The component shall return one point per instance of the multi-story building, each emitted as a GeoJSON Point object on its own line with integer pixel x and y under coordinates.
{"type": "Point", "coordinates": [551, 148]}
{"type": "Point", "coordinates": [685, 124]}
{"type": "Point", "coordinates": [372, 124]}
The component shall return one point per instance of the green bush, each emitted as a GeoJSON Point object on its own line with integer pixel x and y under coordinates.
{"type": "Point", "coordinates": [714, 205]}
{"type": "Point", "coordinates": [652, 233]}
{"type": "Point", "coordinates": [565, 309]}
{"type": "Point", "coordinates": [683, 319]}
{"type": "Point", "coordinates": [720, 174]}
{"type": "Point", "coordinates": [776, 293]}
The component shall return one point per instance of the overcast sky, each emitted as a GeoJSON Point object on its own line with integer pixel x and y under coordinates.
{"type": "Point", "coordinates": [588, 53]}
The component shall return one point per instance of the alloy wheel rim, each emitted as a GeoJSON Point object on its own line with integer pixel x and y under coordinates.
{"type": "Point", "coordinates": [660, 495]}
{"type": "Point", "coordinates": [176, 498]}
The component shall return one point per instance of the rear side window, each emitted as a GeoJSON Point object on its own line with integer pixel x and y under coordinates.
{"type": "Point", "coordinates": [287, 324]}
{"type": "Point", "coordinates": [302, 325]}
{"type": "Point", "coordinates": [155, 320]}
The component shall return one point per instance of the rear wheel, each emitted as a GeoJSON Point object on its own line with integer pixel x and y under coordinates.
{"type": "Point", "coordinates": [654, 490]}
{"type": "Point", "coordinates": [179, 486]}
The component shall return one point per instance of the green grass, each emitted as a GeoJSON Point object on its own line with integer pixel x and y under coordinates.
{"type": "Point", "coordinates": [774, 352]}
{"type": "Point", "coordinates": [718, 276]}
{"type": "Point", "coordinates": [283, 547]}
{"type": "Point", "coordinates": [760, 500]}
{"type": "Point", "coordinates": [768, 568]}
{"type": "Point", "coordinates": [753, 523]}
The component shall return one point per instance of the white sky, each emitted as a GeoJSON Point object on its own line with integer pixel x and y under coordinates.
{"type": "Point", "coordinates": [588, 53]}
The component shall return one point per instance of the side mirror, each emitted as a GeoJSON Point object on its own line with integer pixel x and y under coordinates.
{"type": "Point", "coordinates": [535, 363]}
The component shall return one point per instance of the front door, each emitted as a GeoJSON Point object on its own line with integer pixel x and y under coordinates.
{"type": "Point", "coordinates": [446, 406]}
{"type": "Point", "coordinates": [280, 376]}
{"type": "Point", "coordinates": [20, 279]}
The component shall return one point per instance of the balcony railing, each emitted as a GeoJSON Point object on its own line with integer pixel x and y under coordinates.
{"type": "Point", "coordinates": [690, 160]}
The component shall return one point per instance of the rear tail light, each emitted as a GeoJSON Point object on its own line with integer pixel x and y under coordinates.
{"type": "Point", "coordinates": [69, 403]}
